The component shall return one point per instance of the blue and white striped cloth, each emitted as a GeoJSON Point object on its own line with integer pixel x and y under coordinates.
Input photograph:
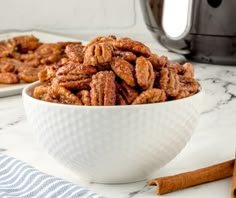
{"type": "Point", "coordinates": [20, 180]}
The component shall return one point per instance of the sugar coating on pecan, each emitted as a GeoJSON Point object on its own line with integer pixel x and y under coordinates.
{"type": "Point", "coordinates": [133, 46]}
{"type": "Point", "coordinates": [75, 52]}
{"type": "Point", "coordinates": [6, 49]}
{"type": "Point", "coordinates": [189, 84]}
{"type": "Point", "coordinates": [102, 39]}
{"type": "Point", "coordinates": [29, 75]}
{"type": "Point", "coordinates": [84, 96]}
{"type": "Point", "coordinates": [144, 73]}
{"type": "Point", "coordinates": [120, 100]}
{"type": "Point", "coordinates": [47, 74]}
{"type": "Point", "coordinates": [8, 78]}
{"type": "Point", "coordinates": [126, 55]}
{"type": "Point", "coordinates": [63, 95]}
{"type": "Point", "coordinates": [103, 89]}
{"type": "Point", "coordinates": [25, 43]}
{"type": "Point", "coordinates": [41, 92]}
{"type": "Point", "coordinates": [169, 81]}
{"type": "Point", "coordinates": [158, 62]}
{"type": "Point", "coordinates": [98, 54]}
{"type": "Point", "coordinates": [150, 96]}
{"type": "Point", "coordinates": [124, 70]}
{"type": "Point", "coordinates": [9, 64]}
{"type": "Point", "coordinates": [49, 53]}
{"type": "Point", "coordinates": [128, 93]}
{"type": "Point", "coordinates": [188, 70]}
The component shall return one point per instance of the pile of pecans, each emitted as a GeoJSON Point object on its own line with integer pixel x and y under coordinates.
{"type": "Point", "coordinates": [111, 71]}
{"type": "Point", "coordinates": [22, 57]}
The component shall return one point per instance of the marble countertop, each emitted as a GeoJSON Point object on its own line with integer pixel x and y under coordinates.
{"type": "Point", "coordinates": [214, 140]}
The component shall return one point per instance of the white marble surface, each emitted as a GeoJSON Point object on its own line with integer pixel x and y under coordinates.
{"type": "Point", "coordinates": [214, 140]}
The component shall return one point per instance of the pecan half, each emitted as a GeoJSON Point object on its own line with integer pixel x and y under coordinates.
{"type": "Point", "coordinates": [25, 43]}
{"type": "Point", "coordinates": [47, 74]}
{"type": "Point", "coordinates": [63, 95]}
{"type": "Point", "coordinates": [8, 78]}
{"type": "Point", "coordinates": [29, 75]}
{"type": "Point", "coordinates": [6, 49]}
{"type": "Point", "coordinates": [75, 52]}
{"type": "Point", "coordinates": [126, 55]}
{"type": "Point", "coordinates": [84, 96]}
{"type": "Point", "coordinates": [102, 39]}
{"type": "Point", "coordinates": [189, 84]}
{"type": "Point", "coordinates": [133, 46]}
{"type": "Point", "coordinates": [120, 100]}
{"type": "Point", "coordinates": [41, 92]}
{"type": "Point", "coordinates": [9, 64]}
{"type": "Point", "coordinates": [49, 53]}
{"type": "Point", "coordinates": [127, 92]}
{"type": "Point", "coordinates": [176, 66]}
{"type": "Point", "coordinates": [150, 96]}
{"type": "Point", "coordinates": [189, 70]}
{"type": "Point", "coordinates": [158, 62]}
{"type": "Point", "coordinates": [169, 81]}
{"type": "Point", "coordinates": [74, 76]}
{"type": "Point", "coordinates": [144, 73]}
{"type": "Point", "coordinates": [103, 89]}
{"type": "Point", "coordinates": [98, 54]}
{"type": "Point", "coordinates": [124, 70]}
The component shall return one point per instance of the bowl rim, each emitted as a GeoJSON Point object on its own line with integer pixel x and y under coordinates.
{"type": "Point", "coordinates": [26, 94]}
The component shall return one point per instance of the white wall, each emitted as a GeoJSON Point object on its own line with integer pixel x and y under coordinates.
{"type": "Point", "coordinates": [73, 16]}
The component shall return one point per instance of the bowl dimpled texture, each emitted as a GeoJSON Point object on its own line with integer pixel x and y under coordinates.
{"type": "Point", "coordinates": [116, 144]}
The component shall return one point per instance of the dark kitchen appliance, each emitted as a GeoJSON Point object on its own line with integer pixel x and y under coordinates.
{"type": "Point", "coordinates": [202, 30]}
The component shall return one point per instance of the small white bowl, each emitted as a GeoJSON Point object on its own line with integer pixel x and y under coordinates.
{"type": "Point", "coordinates": [113, 144]}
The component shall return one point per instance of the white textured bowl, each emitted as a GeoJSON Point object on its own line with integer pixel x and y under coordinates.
{"type": "Point", "coordinates": [113, 144]}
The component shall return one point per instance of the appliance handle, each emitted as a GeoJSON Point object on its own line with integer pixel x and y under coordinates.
{"type": "Point", "coordinates": [177, 18]}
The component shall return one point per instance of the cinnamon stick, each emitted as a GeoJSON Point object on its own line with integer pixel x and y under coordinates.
{"type": "Point", "coordinates": [212, 173]}
{"type": "Point", "coordinates": [233, 192]}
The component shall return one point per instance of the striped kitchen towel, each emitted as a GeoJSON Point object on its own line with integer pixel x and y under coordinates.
{"type": "Point", "coordinates": [20, 180]}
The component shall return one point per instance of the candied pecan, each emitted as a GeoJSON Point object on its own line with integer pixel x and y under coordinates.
{"type": "Point", "coordinates": [98, 54]}
{"type": "Point", "coordinates": [76, 69]}
{"type": "Point", "coordinates": [189, 84]}
{"type": "Point", "coordinates": [124, 70]}
{"type": "Point", "coordinates": [103, 89]}
{"type": "Point", "coordinates": [188, 70]}
{"type": "Point", "coordinates": [150, 96]}
{"type": "Point", "coordinates": [72, 83]}
{"type": "Point", "coordinates": [6, 49]}
{"type": "Point", "coordinates": [183, 94]}
{"type": "Point", "coordinates": [158, 62]}
{"type": "Point", "coordinates": [133, 46]}
{"type": "Point", "coordinates": [64, 44]}
{"type": "Point", "coordinates": [126, 55]}
{"type": "Point", "coordinates": [144, 73]}
{"type": "Point", "coordinates": [9, 64]}
{"type": "Point", "coordinates": [169, 81]}
{"type": "Point", "coordinates": [49, 53]}
{"type": "Point", "coordinates": [8, 78]}
{"type": "Point", "coordinates": [120, 100]}
{"type": "Point", "coordinates": [41, 91]}
{"type": "Point", "coordinates": [25, 43]}
{"type": "Point", "coordinates": [75, 52]}
{"type": "Point", "coordinates": [63, 95]}
{"type": "Point", "coordinates": [177, 66]}
{"type": "Point", "coordinates": [84, 96]}
{"type": "Point", "coordinates": [47, 73]}
{"type": "Point", "coordinates": [128, 93]}
{"type": "Point", "coordinates": [102, 39]}
{"type": "Point", "coordinates": [29, 75]}
{"type": "Point", "coordinates": [74, 76]}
